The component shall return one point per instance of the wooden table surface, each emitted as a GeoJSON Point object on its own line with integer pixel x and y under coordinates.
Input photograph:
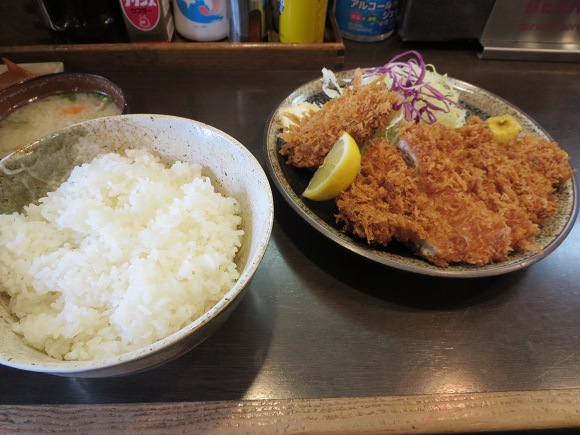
{"type": "Point", "coordinates": [327, 342]}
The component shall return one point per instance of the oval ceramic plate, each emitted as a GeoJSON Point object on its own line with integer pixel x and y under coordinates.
{"type": "Point", "coordinates": [292, 181]}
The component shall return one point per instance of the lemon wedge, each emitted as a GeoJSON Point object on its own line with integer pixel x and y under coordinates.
{"type": "Point", "coordinates": [504, 127]}
{"type": "Point", "coordinates": [338, 171]}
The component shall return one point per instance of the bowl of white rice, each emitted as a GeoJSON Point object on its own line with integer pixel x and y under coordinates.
{"type": "Point", "coordinates": [125, 241]}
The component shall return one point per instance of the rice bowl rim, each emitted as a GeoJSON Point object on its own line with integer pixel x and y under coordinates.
{"type": "Point", "coordinates": [71, 367]}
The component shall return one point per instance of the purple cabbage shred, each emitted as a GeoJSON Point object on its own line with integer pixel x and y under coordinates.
{"type": "Point", "coordinates": [420, 100]}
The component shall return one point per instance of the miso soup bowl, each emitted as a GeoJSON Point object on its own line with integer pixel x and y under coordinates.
{"type": "Point", "coordinates": [37, 88]}
{"type": "Point", "coordinates": [30, 173]}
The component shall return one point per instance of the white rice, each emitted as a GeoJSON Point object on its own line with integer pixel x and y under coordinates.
{"type": "Point", "coordinates": [126, 252]}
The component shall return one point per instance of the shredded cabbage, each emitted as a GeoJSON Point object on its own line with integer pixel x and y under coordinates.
{"type": "Point", "coordinates": [424, 91]}
{"type": "Point", "coordinates": [328, 79]}
{"type": "Point", "coordinates": [426, 96]}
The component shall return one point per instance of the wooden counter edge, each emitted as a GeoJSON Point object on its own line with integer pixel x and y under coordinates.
{"type": "Point", "coordinates": [447, 413]}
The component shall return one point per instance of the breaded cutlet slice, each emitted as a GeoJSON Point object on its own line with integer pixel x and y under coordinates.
{"type": "Point", "coordinates": [361, 111]}
{"type": "Point", "coordinates": [515, 179]}
{"type": "Point", "coordinates": [388, 201]}
{"type": "Point", "coordinates": [456, 195]}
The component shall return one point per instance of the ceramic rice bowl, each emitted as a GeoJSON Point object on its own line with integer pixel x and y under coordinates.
{"type": "Point", "coordinates": [29, 173]}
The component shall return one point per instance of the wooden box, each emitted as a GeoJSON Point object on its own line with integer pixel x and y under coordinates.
{"type": "Point", "coordinates": [185, 55]}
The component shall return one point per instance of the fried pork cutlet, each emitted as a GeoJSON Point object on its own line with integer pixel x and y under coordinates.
{"type": "Point", "coordinates": [361, 111]}
{"type": "Point", "coordinates": [455, 195]}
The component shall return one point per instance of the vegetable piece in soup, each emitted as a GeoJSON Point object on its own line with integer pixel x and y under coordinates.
{"type": "Point", "coordinates": [41, 117]}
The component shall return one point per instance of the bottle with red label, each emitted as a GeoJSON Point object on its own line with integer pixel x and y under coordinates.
{"type": "Point", "coordinates": [148, 20]}
{"type": "Point", "coordinates": [201, 20]}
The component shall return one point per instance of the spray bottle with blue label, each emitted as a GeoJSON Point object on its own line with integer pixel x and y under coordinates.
{"type": "Point", "coordinates": [201, 20]}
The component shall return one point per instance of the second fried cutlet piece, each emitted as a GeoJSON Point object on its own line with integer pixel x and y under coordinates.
{"type": "Point", "coordinates": [388, 201]}
{"type": "Point", "coordinates": [361, 111]}
{"type": "Point", "coordinates": [456, 195]}
{"type": "Point", "coordinates": [515, 179]}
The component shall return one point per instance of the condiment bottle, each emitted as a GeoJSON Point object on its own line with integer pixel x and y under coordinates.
{"type": "Point", "coordinates": [247, 20]}
{"type": "Point", "coordinates": [302, 21]}
{"type": "Point", "coordinates": [149, 21]}
{"type": "Point", "coordinates": [365, 20]}
{"type": "Point", "coordinates": [201, 20]}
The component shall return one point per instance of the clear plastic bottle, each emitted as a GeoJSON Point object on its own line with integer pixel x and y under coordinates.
{"type": "Point", "coordinates": [247, 20]}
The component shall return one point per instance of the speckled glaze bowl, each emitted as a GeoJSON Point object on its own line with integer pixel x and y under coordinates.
{"type": "Point", "coordinates": [292, 181]}
{"type": "Point", "coordinates": [42, 166]}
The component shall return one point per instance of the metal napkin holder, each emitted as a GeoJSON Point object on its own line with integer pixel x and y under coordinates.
{"type": "Point", "coordinates": [540, 30]}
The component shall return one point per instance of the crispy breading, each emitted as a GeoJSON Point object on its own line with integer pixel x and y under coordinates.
{"type": "Point", "coordinates": [457, 195]}
{"type": "Point", "coordinates": [361, 111]}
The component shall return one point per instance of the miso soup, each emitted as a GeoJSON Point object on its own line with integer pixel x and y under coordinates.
{"type": "Point", "coordinates": [41, 117]}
